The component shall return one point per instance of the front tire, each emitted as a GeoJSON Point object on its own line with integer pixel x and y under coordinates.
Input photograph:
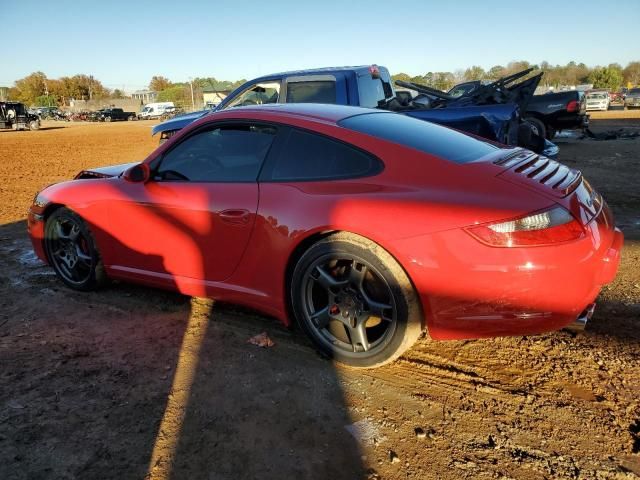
{"type": "Point", "coordinates": [355, 302]}
{"type": "Point", "coordinates": [72, 252]}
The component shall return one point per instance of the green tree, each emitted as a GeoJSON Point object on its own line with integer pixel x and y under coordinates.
{"type": "Point", "coordinates": [178, 94]}
{"type": "Point", "coordinates": [117, 93]}
{"type": "Point", "coordinates": [474, 73]}
{"type": "Point", "coordinates": [606, 77]}
{"type": "Point", "coordinates": [45, 101]}
{"type": "Point", "coordinates": [494, 72]}
{"type": "Point", "coordinates": [443, 81]}
{"type": "Point", "coordinates": [400, 76]}
{"type": "Point", "coordinates": [631, 73]}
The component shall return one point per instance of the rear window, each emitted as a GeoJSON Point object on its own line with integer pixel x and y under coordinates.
{"type": "Point", "coordinates": [323, 91]}
{"type": "Point", "coordinates": [420, 135]}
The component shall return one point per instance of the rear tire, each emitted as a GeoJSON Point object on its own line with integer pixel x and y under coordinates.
{"type": "Point", "coordinates": [72, 252]}
{"type": "Point", "coordinates": [537, 126]}
{"type": "Point", "coordinates": [355, 302]}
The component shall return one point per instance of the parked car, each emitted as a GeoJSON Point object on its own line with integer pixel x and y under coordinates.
{"type": "Point", "coordinates": [155, 110]}
{"type": "Point", "coordinates": [16, 116]}
{"type": "Point", "coordinates": [598, 101]}
{"type": "Point", "coordinates": [632, 98]}
{"type": "Point", "coordinates": [558, 111]}
{"type": "Point", "coordinates": [371, 87]}
{"type": "Point", "coordinates": [114, 114]}
{"type": "Point", "coordinates": [549, 113]}
{"type": "Point", "coordinates": [364, 226]}
{"type": "Point", "coordinates": [616, 97]}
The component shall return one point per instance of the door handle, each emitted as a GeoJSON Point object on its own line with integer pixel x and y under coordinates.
{"type": "Point", "coordinates": [236, 216]}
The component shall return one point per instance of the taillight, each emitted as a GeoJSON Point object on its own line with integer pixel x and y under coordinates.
{"type": "Point", "coordinates": [573, 106]}
{"type": "Point", "coordinates": [541, 228]}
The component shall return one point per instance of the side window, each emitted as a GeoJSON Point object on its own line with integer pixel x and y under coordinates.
{"type": "Point", "coordinates": [323, 91]}
{"type": "Point", "coordinates": [308, 156]}
{"type": "Point", "coordinates": [230, 153]}
{"type": "Point", "coordinates": [259, 94]}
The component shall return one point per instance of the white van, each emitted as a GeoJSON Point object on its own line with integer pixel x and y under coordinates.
{"type": "Point", "coordinates": [155, 110]}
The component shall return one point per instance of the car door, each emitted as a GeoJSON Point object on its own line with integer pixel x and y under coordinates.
{"type": "Point", "coordinates": [193, 219]}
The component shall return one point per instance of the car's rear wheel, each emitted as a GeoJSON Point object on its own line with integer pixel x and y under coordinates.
{"type": "Point", "coordinates": [537, 126]}
{"type": "Point", "coordinates": [355, 301]}
{"type": "Point", "coordinates": [72, 252]}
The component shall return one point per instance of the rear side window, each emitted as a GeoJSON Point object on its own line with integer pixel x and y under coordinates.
{"type": "Point", "coordinates": [420, 135]}
{"type": "Point", "coordinates": [305, 156]}
{"type": "Point", "coordinates": [323, 91]}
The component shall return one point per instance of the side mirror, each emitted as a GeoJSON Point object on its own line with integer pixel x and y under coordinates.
{"type": "Point", "coordinates": [139, 173]}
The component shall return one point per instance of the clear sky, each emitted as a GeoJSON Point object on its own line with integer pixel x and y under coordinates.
{"type": "Point", "coordinates": [124, 43]}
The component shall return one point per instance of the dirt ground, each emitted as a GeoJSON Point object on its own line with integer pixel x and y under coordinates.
{"type": "Point", "coordinates": [132, 382]}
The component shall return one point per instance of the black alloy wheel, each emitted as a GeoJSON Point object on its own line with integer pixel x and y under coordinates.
{"type": "Point", "coordinates": [71, 250]}
{"type": "Point", "coordinates": [355, 302]}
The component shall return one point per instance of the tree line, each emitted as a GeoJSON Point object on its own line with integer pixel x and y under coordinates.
{"type": "Point", "coordinates": [38, 89]}
{"type": "Point", "coordinates": [612, 76]}
{"type": "Point", "coordinates": [180, 92]}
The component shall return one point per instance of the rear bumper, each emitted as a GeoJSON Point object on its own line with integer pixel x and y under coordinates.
{"type": "Point", "coordinates": [469, 290]}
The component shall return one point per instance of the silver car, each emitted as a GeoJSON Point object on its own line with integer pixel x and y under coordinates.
{"type": "Point", "coordinates": [632, 100]}
{"type": "Point", "coordinates": [598, 101]}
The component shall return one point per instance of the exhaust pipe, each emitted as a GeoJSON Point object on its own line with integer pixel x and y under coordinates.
{"type": "Point", "coordinates": [580, 323]}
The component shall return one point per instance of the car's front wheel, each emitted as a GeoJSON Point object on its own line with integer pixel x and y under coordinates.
{"type": "Point", "coordinates": [355, 301]}
{"type": "Point", "coordinates": [72, 252]}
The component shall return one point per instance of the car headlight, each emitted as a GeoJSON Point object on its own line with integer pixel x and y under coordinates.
{"type": "Point", "coordinates": [40, 201]}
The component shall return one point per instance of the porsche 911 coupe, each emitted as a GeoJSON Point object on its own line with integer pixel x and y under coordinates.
{"type": "Point", "coordinates": [365, 227]}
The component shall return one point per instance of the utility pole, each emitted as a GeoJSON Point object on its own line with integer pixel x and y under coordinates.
{"type": "Point", "coordinates": [193, 103]}
{"type": "Point", "coordinates": [46, 92]}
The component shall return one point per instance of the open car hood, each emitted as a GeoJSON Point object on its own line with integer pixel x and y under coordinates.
{"type": "Point", "coordinates": [104, 172]}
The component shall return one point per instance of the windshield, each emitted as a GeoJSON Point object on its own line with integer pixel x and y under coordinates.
{"type": "Point", "coordinates": [460, 90]}
{"type": "Point", "coordinates": [597, 96]}
{"type": "Point", "coordinates": [634, 90]}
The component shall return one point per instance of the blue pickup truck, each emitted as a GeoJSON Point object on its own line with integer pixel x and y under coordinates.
{"type": "Point", "coordinates": [371, 87]}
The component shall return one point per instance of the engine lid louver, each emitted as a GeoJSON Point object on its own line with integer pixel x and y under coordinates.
{"type": "Point", "coordinates": [559, 178]}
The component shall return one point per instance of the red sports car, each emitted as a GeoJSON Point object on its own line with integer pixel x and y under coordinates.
{"type": "Point", "coordinates": [366, 227]}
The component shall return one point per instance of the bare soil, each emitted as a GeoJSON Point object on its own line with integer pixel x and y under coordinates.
{"type": "Point", "coordinates": [132, 382]}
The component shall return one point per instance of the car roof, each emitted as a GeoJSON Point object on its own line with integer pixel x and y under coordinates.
{"type": "Point", "coordinates": [316, 111]}
{"type": "Point", "coordinates": [360, 69]}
